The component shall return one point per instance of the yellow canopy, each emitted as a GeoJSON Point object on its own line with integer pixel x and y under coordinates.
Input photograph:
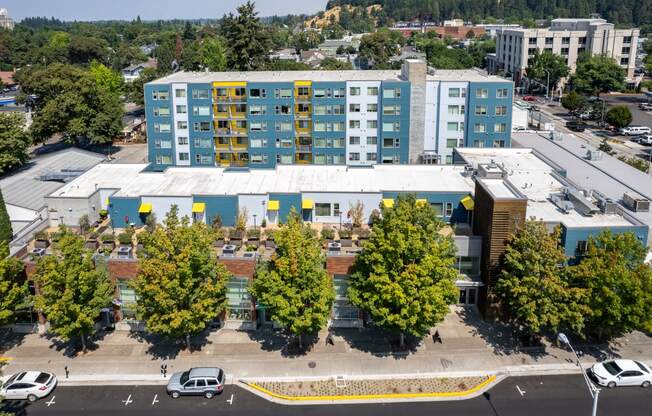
{"type": "Point", "coordinates": [422, 202]}
{"type": "Point", "coordinates": [307, 204]}
{"type": "Point", "coordinates": [145, 208]}
{"type": "Point", "coordinates": [388, 202]}
{"type": "Point", "coordinates": [468, 202]}
{"type": "Point", "coordinates": [198, 207]}
{"type": "Point", "coordinates": [273, 205]}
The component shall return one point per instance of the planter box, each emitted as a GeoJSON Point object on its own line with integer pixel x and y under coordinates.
{"type": "Point", "coordinates": [346, 242]}
{"type": "Point", "coordinates": [108, 245]}
{"type": "Point", "coordinates": [270, 244]}
{"type": "Point", "coordinates": [91, 244]}
{"type": "Point", "coordinates": [218, 243]}
{"type": "Point", "coordinates": [253, 243]}
{"type": "Point", "coordinates": [41, 243]}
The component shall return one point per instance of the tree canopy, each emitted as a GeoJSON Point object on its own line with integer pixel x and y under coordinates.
{"type": "Point", "coordinates": [574, 102]}
{"type": "Point", "coordinates": [598, 74]}
{"type": "Point", "coordinates": [379, 46]}
{"type": "Point", "coordinates": [6, 232]}
{"type": "Point", "coordinates": [618, 116]}
{"type": "Point", "coordinates": [547, 69]}
{"type": "Point", "coordinates": [14, 141]}
{"type": "Point", "coordinates": [12, 293]}
{"type": "Point", "coordinates": [249, 43]}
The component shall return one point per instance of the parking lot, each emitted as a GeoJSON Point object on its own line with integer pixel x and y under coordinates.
{"type": "Point", "coordinates": [639, 117]}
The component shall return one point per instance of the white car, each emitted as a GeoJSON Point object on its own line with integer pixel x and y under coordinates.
{"type": "Point", "coordinates": [635, 130]}
{"type": "Point", "coordinates": [28, 385]}
{"type": "Point", "coordinates": [622, 373]}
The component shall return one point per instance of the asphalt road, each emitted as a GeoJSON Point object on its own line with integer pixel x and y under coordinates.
{"type": "Point", "coordinates": [518, 396]}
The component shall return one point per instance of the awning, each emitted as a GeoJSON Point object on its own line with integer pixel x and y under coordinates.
{"type": "Point", "coordinates": [388, 202]}
{"type": "Point", "coordinates": [422, 202]}
{"type": "Point", "coordinates": [198, 207]}
{"type": "Point", "coordinates": [468, 203]}
{"type": "Point", "coordinates": [307, 204]}
{"type": "Point", "coordinates": [145, 208]}
{"type": "Point", "coordinates": [273, 205]}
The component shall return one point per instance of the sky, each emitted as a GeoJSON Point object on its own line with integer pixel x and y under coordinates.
{"type": "Point", "coordinates": [150, 9]}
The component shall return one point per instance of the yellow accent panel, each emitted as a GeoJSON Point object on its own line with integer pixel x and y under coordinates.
{"type": "Point", "coordinates": [273, 205]}
{"type": "Point", "coordinates": [145, 208]}
{"type": "Point", "coordinates": [230, 84]}
{"type": "Point", "coordinates": [468, 202]}
{"type": "Point", "coordinates": [106, 202]}
{"type": "Point", "coordinates": [198, 207]}
{"type": "Point", "coordinates": [307, 204]}
{"type": "Point", "coordinates": [422, 202]}
{"type": "Point", "coordinates": [302, 83]}
{"type": "Point", "coordinates": [388, 203]}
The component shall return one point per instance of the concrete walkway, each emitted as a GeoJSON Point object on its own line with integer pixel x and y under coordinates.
{"type": "Point", "coordinates": [469, 346]}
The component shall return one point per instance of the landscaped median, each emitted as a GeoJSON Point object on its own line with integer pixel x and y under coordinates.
{"type": "Point", "coordinates": [370, 389]}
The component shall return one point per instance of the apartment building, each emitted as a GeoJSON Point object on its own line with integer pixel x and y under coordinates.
{"type": "Point", "coordinates": [6, 22]}
{"type": "Point", "coordinates": [355, 118]}
{"type": "Point", "coordinates": [565, 37]}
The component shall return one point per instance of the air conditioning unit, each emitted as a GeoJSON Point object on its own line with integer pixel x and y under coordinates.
{"type": "Point", "coordinates": [636, 202]}
{"type": "Point", "coordinates": [334, 248]}
{"type": "Point", "coordinates": [249, 254]}
{"type": "Point", "coordinates": [38, 252]}
{"type": "Point", "coordinates": [229, 250]}
{"type": "Point", "coordinates": [124, 252]}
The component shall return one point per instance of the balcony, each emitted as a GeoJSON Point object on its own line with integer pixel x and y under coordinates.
{"type": "Point", "coordinates": [233, 159]}
{"type": "Point", "coordinates": [303, 158]}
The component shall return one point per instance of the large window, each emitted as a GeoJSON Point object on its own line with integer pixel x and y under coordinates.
{"type": "Point", "coordinates": [354, 91]}
{"type": "Point", "coordinates": [322, 209]}
{"type": "Point", "coordinates": [392, 93]}
{"type": "Point", "coordinates": [238, 299]}
{"type": "Point", "coordinates": [201, 110]}
{"type": "Point", "coordinates": [200, 94]}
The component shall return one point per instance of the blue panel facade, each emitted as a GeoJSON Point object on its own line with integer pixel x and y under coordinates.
{"type": "Point", "coordinates": [324, 140]}
{"type": "Point", "coordinates": [489, 114]}
{"type": "Point", "coordinates": [160, 145]}
{"type": "Point", "coordinates": [398, 154]}
{"type": "Point", "coordinates": [286, 202]}
{"type": "Point", "coordinates": [124, 211]}
{"type": "Point", "coordinates": [202, 148]}
{"type": "Point", "coordinates": [570, 237]}
{"type": "Point", "coordinates": [448, 202]}
{"type": "Point", "coordinates": [226, 206]}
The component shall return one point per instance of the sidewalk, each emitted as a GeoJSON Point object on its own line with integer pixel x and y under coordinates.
{"type": "Point", "coordinates": [469, 346]}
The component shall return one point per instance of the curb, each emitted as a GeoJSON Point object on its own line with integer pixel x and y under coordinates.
{"type": "Point", "coordinates": [367, 398]}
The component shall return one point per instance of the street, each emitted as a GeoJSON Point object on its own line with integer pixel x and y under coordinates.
{"type": "Point", "coordinates": [532, 396]}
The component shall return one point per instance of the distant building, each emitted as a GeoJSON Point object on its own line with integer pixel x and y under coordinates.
{"type": "Point", "coordinates": [7, 78]}
{"type": "Point", "coordinates": [330, 46]}
{"type": "Point", "coordinates": [6, 22]}
{"type": "Point", "coordinates": [491, 29]}
{"type": "Point", "coordinates": [454, 29]}
{"type": "Point", "coordinates": [408, 52]}
{"type": "Point", "coordinates": [130, 73]}
{"type": "Point", "coordinates": [565, 37]}
{"type": "Point", "coordinates": [287, 54]}
{"type": "Point", "coordinates": [313, 58]}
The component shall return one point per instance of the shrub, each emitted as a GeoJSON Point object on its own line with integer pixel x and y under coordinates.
{"type": "Point", "coordinates": [107, 238]}
{"type": "Point", "coordinates": [241, 220]}
{"type": "Point", "coordinates": [345, 233]}
{"type": "Point", "coordinates": [327, 234]}
{"type": "Point", "coordinates": [253, 233]}
{"type": "Point", "coordinates": [56, 236]}
{"type": "Point", "coordinates": [125, 238]}
{"type": "Point", "coordinates": [216, 222]}
{"type": "Point", "coordinates": [356, 213]}
{"type": "Point", "coordinates": [93, 236]}
{"type": "Point", "coordinates": [270, 234]}
{"type": "Point", "coordinates": [251, 248]}
{"type": "Point", "coordinates": [263, 224]}
{"type": "Point", "coordinates": [103, 213]}
{"type": "Point", "coordinates": [41, 235]}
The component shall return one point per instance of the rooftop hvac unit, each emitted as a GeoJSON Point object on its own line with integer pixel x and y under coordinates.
{"type": "Point", "coordinates": [562, 203]}
{"type": "Point", "coordinates": [636, 202]}
{"type": "Point", "coordinates": [249, 254]}
{"type": "Point", "coordinates": [594, 155]}
{"type": "Point", "coordinates": [606, 205]}
{"type": "Point", "coordinates": [124, 252]}
{"type": "Point", "coordinates": [334, 248]}
{"type": "Point", "coordinates": [38, 252]}
{"type": "Point", "coordinates": [581, 203]}
{"type": "Point", "coordinates": [229, 250]}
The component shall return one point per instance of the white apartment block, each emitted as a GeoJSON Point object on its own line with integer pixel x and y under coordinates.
{"type": "Point", "coordinates": [565, 37]}
{"type": "Point", "coordinates": [362, 122]}
{"type": "Point", "coordinates": [6, 22]}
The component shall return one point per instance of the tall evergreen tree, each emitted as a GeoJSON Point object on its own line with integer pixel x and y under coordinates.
{"type": "Point", "coordinates": [247, 39]}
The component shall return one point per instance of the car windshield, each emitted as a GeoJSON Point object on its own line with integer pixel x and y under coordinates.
{"type": "Point", "coordinates": [184, 377]}
{"type": "Point", "coordinates": [612, 367]}
{"type": "Point", "coordinates": [642, 367]}
{"type": "Point", "coordinates": [42, 378]}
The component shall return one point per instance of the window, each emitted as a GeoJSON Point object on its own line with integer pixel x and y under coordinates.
{"type": "Point", "coordinates": [451, 143]}
{"type": "Point", "coordinates": [501, 110]}
{"type": "Point", "coordinates": [499, 143]}
{"type": "Point", "coordinates": [182, 125]}
{"type": "Point", "coordinates": [580, 248]}
{"type": "Point", "coordinates": [283, 109]}
{"type": "Point", "coordinates": [337, 160]}
{"type": "Point", "coordinates": [453, 92]}
{"type": "Point", "coordinates": [257, 93]}
{"type": "Point", "coordinates": [163, 160]}
{"type": "Point", "coordinates": [320, 110]}
{"type": "Point", "coordinates": [532, 41]}
{"type": "Point", "coordinates": [392, 110]}
{"type": "Point", "coordinates": [627, 39]}
{"type": "Point", "coordinates": [438, 207]}
{"type": "Point", "coordinates": [283, 126]}
{"type": "Point", "coordinates": [303, 92]}
{"type": "Point", "coordinates": [372, 156]}
{"type": "Point", "coordinates": [354, 156]}
{"type": "Point", "coordinates": [354, 124]}
{"type": "Point", "coordinates": [200, 94]}
{"type": "Point", "coordinates": [564, 51]}
{"type": "Point", "coordinates": [258, 159]}
{"type": "Point", "coordinates": [338, 109]}
{"type": "Point", "coordinates": [161, 111]}
{"type": "Point", "coordinates": [392, 126]}
{"type": "Point", "coordinates": [203, 159]}
{"type": "Point", "coordinates": [548, 41]}
{"type": "Point", "coordinates": [320, 159]}
{"type": "Point", "coordinates": [372, 91]}
{"type": "Point", "coordinates": [182, 140]}
{"type": "Point", "coordinates": [582, 40]}
{"type": "Point", "coordinates": [452, 126]}
{"type": "Point", "coordinates": [354, 108]}
{"type": "Point", "coordinates": [531, 51]}
{"type": "Point", "coordinates": [180, 93]}
{"type": "Point", "coordinates": [283, 93]}
{"type": "Point", "coordinates": [354, 91]}
{"type": "Point", "coordinates": [500, 128]}
{"type": "Point", "coordinates": [339, 92]}
{"type": "Point", "coordinates": [322, 209]}
{"type": "Point", "coordinates": [162, 127]}
{"type": "Point", "coordinates": [203, 143]}
{"type": "Point", "coordinates": [391, 160]}
{"type": "Point", "coordinates": [625, 50]}
{"type": "Point", "coordinates": [258, 126]}
{"type": "Point", "coordinates": [319, 126]}
{"type": "Point", "coordinates": [565, 40]}
{"type": "Point", "coordinates": [338, 143]}
{"type": "Point", "coordinates": [238, 300]}
{"type": "Point", "coordinates": [339, 126]}
{"type": "Point", "coordinates": [160, 95]}
{"type": "Point", "coordinates": [372, 140]}
{"type": "Point", "coordinates": [502, 93]}
{"type": "Point", "coordinates": [453, 110]}
{"type": "Point", "coordinates": [163, 144]}
{"type": "Point", "coordinates": [478, 143]}
{"type": "Point", "coordinates": [354, 140]}
{"type": "Point", "coordinates": [372, 108]}
{"type": "Point", "coordinates": [257, 110]}
{"type": "Point", "coordinates": [257, 143]}
{"type": "Point", "coordinates": [184, 156]}
{"type": "Point", "coordinates": [389, 142]}
{"type": "Point", "coordinates": [480, 110]}
{"type": "Point", "coordinates": [392, 93]}
{"type": "Point", "coordinates": [319, 93]}
{"type": "Point", "coordinates": [481, 93]}
{"type": "Point", "coordinates": [201, 110]}
{"type": "Point", "coordinates": [372, 124]}
{"type": "Point", "coordinates": [320, 142]}
{"type": "Point", "coordinates": [480, 128]}
{"type": "Point", "coordinates": [449, 209]}
{"type": "Point", "coordinates": [624, 61]}
{"type": "Point", "coordinates": [182, 109]}
{"type": "Point", "coordinates": [202, 126]}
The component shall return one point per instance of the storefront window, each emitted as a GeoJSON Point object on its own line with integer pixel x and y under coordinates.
{"type": "Point", "coordinates": [342, 308]}
{"type": "Point", "coordinates": [128, 298]}
{"type": "Point", "coordinates": [238, 299]}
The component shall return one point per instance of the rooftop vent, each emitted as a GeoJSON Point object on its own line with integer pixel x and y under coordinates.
{"type": "Point", "coordinates": [124, 252]}
{"type": "Point", "coordinates": [562, 203]}
{"type": "Point", "coordinates": [581, 202]}
{"type": "Point", "coordinates": [249, 255]}
{"type": "Point", "coordinates": [229, 250]}
{"type": "Point", "coordinates": [38, 252]}
{"type": "Point", "coordinates": [490, 171]}
{"type": "Point", "coordinates": [636, 202]}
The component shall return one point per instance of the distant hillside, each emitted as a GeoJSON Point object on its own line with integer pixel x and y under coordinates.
{"type": "Point", "coordinates": [332, 14]}
{"type": "Point", "coordinates": [631, 12]}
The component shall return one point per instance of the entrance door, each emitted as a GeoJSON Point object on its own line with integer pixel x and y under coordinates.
{"type": "Point", "coordinates": [468, 296]}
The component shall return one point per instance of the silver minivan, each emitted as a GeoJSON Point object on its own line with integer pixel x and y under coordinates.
{"type": "Point", "coordinates": [635, 130]}
{"type": "Point", "coordinates": [200, 381]}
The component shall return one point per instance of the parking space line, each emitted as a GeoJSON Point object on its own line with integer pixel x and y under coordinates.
{"type": "Point", "coordinates": [51, 401]}
{"type": "Point", "coordinates": [126, 402]}
{"type": "Point", "coordinates": [521, 392]}
{"type": "Point", "coordinates": [155, 400]}
{"type": "Point", "coordinates": [230, 401]}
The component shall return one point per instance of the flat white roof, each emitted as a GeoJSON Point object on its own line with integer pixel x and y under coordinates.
{"type": "Point", "coordinates": [498, 188]}
{"type": "Point", "coordinates": [131, 181]}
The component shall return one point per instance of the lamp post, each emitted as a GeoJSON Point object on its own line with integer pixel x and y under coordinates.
{"type": "Point", "coordinates": [254, 221]}
{"type": "Point", "coordinates": [593, 390]}
{"type": "Point", "coordinates": [547, 85]}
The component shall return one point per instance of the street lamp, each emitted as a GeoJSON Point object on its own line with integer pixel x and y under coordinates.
{"type": "Point", "coordinates": [547, 85]}
{"type": "Point", "coordinates": [593, 390]}
{"type": "Point", "coordinates": [254, 221]}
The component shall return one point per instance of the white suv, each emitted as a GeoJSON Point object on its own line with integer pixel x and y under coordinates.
{"type": "Point", "coordinates": [635, 130]}
{"type": "Point", "coordinates": [30, 385]}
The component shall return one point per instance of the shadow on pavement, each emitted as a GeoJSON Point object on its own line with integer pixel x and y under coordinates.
{"type": "Point", "coordinates": [161, 348]}
{"type": "Point", "coordinates": [10, 339]}
{"type": "Point", "coordinates": [279, 340]}
{"type": "Point", "coordinates": [378, 342]}
{"type": "Point", "coordinates": [14, 407]}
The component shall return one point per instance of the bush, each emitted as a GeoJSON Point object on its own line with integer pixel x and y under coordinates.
{"type": "Point", "coordinates": [264, 223]}
{"type": "Point", "coordinates": [364, 233]}
{"type": "Point", "coordinates": [41, 235]}
{"type": "Point", "coordinates": [270, 234]}
{"type": "Point", "coordinates": [345, 233]}
{"type": "Point", "coordinates": [56, 236]}
{"type": "Point", "coordinates": [107, 238]}
{"type": "Point", "coordinates": [253, 233]}
{"type": "Point", "coordinates": [251, 248]}
{"type": "Point", "coordinates": [328, 234]}
{"type": "Point", "coordinates": [125, 238]}
{"type": "Point", "coordinates": [93, 236]}
{"type": "Point", "coordinates": [216, 222]}
{"type": "Point", "coordinates": [103, 213]}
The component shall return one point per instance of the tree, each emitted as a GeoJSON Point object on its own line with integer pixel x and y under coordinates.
{"type": "Point", "coordinates": [106, 78]}
{"type": "Point", "coordinates": [618, 284]}
{"type": "Point", "coordinates": [6, 233]}
{"type": "Point", "coordinates": [598, 74]}
{"type": "Point", "coordinates": [332, 64]}
{"type": "Point", "coordinates": [618, 116]}
{"type": "Point", "coordinates": [180, 286]}
{"type": "Point", "coordinates": [404, 278]}
{"type": "Point", "coordinates": [294, 286]}
{"type": "Point", "coordinates": [534, 286]}
{"type": "Point", "coordinates": [306, 39]}
{"type": "Point", "coordinates": [378, 47]}
{"type": "Point", "coordinates": [606, 147]}
{"type": "Point", "coordinates": [12, 294]}
{"type": "Point", "coordinates": [14, 141]}
{"type": "Point", "coordinates": [212, 54]}
{"type": "Point", "coordinates": [248, 41]}
{"type": "Point", "coordinates": [286, 65]}
{"type": "Point", "coordinates": [547, 69]}
{"type": "Point", "coordinates": [84, 224]}
{"type": "Point", "coordinates": [72, 288]}
{"type": "Point", "coordinates": [574, 102]}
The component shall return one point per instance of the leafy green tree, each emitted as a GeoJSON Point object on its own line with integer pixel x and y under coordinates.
{"type": "Point", "coordinates": [72, 288]}
{"type": "Point", "coordinates": [379, 46]}
{"type": "Point", "coordinates": [574, 102]}
{"type": "Point", "coordinates": [598, 74]}
{"type": "Point", "coordinates": [534, 285]}
{"type": "Point", "coordinates": [306, 39]}
{"type": "Point", "coordinates": [14, 141]}
{"type": "Point", "coordinates": [286, 65]}
{"type": "Point", "coordinates": [12, 294]}
{"type": "Point", "coordinates": [405, 277]}
{"type": "Point", "coordinates": [248, 42]}
{"type": "Point", "coordinates": [332, 64]}
{"type": "Point", "coordinates": [181, 286]}
{"type": "Point", "coordinates": [6, 232]}
{"type": "Point", "coordinates": [547, 67]}
{"type": "Point", "coordinates": [212, 54]}
{"type": "Point", "coordinates": [106, 78]}
{"type": "Point", "coordinates": [333, 31]}
{"type": "Point", "coordinates": [294, 286]}
{"type": "Point", "coordinates": [618, 284]}
{"type": "Point", "coordinates": [618, 116]}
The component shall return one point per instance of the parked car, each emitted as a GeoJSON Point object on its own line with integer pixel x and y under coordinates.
{"type": "Point", "coordinates": [28, 385]}
{"type": "Point", "coordinates": [635, 130]}
{"type": "Point", "coordinates": [587, 115]}
{"type": "Point", "coordinates": [200, 381]}
{"type": "Point", "coordinates": [645, 140]}
{"type": "Point", "coordinates": [614, 373]}
{"type": "Point", "coordinates": [576, 125]}
{"type": "Point", "coordinates": [529, 98]}
{"type": "Point", "coordinates": [645, 106]}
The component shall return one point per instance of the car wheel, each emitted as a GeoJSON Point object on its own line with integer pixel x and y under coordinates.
{"type": "Point", "coordinates": [645, 384]}
{"type": "Point", "coordinates": [32, 398]}
{"type": "Point", "coordinates": [175, 394]}
{"type": "Point", "coordinates": [209, 394]}
{"type": "Point", "coordinates": [611, 384]}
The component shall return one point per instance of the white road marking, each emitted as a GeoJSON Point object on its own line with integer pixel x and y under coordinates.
{"type": "Point", "coordinates": [521, 392]}
{"type": "Point", "coordinates": [126, 402]}
{"type": "Point", "coordinates": [230, 401]}
{"type": "Point", "coordinates": [51, 402]}
{"type": "Point", "coordinates": [155, 400]}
